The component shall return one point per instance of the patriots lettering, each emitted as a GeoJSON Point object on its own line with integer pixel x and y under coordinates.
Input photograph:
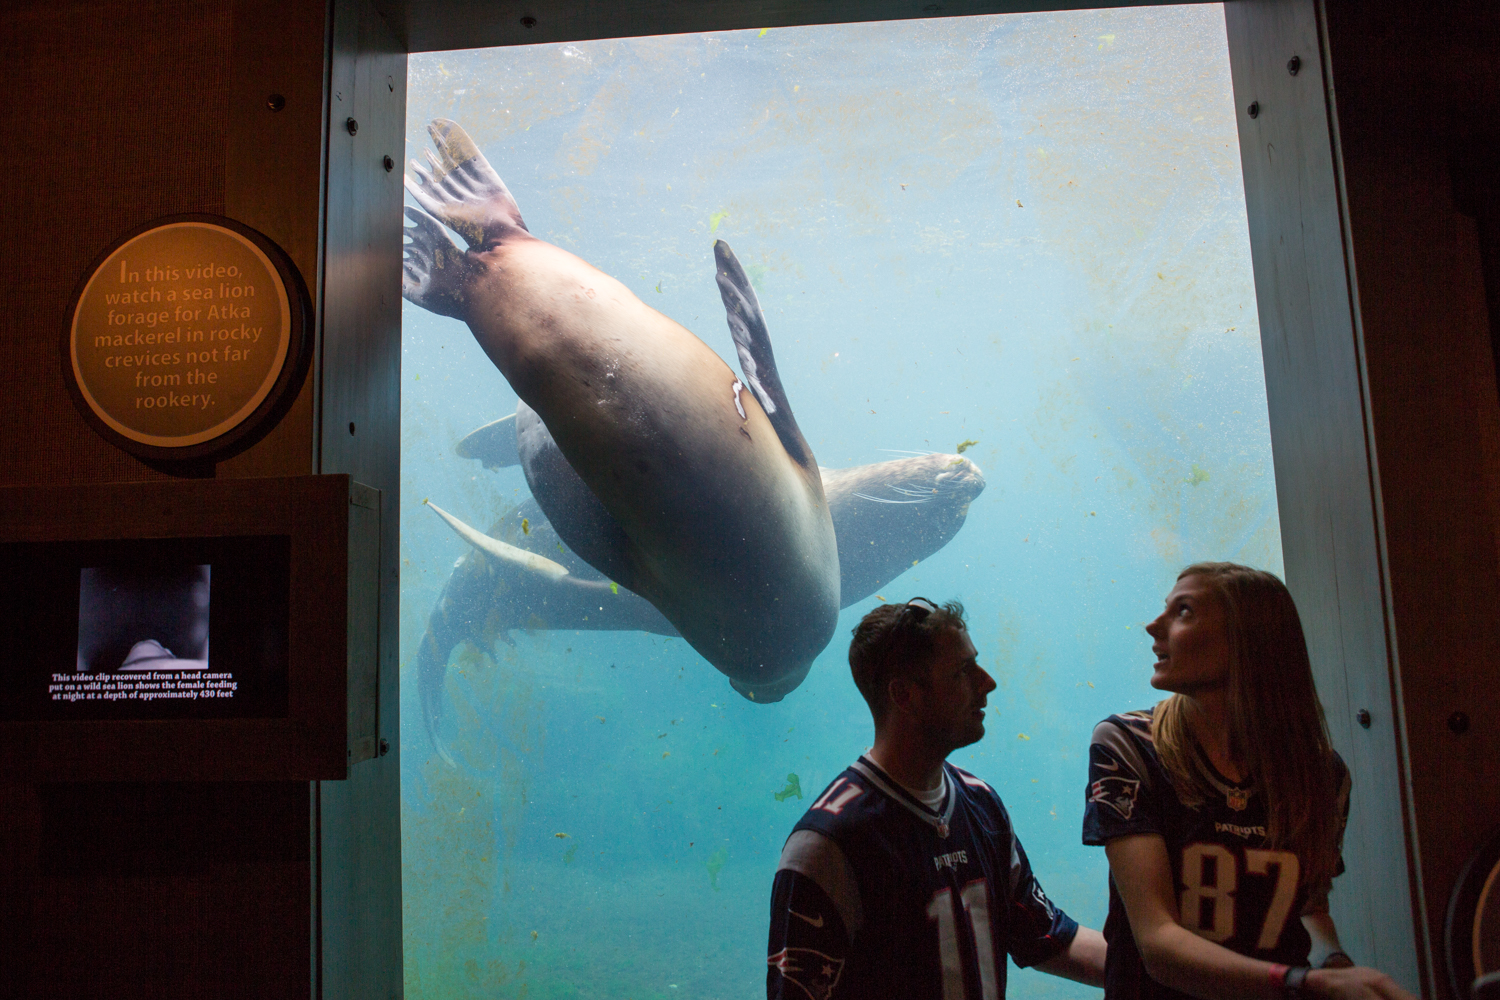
{"type": "Point", "coordinates": [951, 860]}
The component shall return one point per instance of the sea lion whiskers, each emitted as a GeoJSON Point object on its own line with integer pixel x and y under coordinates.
{"type": "Point", "coordinates": [866, 496]}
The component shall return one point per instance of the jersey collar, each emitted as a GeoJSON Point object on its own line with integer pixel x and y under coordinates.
{"type": "Point", "coordinates": [939, 821]}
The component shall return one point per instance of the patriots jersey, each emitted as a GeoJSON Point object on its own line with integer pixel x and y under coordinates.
{"type": "Point", "coordinates": [878, 896]}
{"type": "Point", "coordinates": [1231, 888]}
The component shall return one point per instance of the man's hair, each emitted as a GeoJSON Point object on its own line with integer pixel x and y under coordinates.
{"type": "Point", "coordinates": [896, 640]}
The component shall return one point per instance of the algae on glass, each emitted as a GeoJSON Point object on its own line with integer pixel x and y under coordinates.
{"type": "Point", "coordinates": [1020, 238]}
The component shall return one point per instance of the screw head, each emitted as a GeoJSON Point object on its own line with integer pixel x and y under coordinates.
{"type": "Point", "coordinates": [388, 163]}
{"type": "Point", "coordinates": [1294, 65]}
{"type": "Point", "coordinates": [1458, 723]}
{"type": "Point", "coordinates": [352, 126]}
{"type": "Point", "coordinates": [1363, 718]}
{"type": "Point", "coordinates": [528, 21]}
{"type": "Point", "coordinates": [1253, 110]}
{"type": "Point", "coordinates": [275, 102]}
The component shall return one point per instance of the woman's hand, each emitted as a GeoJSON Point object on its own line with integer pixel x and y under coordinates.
{"type": "Point", "coordinates": [1356, 983]}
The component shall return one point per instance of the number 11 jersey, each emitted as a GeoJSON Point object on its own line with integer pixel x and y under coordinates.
{"type": "Point", "coordinates": [1231, 888]}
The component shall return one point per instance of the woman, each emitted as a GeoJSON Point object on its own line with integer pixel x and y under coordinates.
{"type": "Point", "coordinates": [1222, 809]}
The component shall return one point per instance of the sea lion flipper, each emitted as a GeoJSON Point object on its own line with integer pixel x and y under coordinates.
{"type": "Point", "coordinates": [461, 188]}
{"type": "Point", "coordinates": [747, 325]}
{"type": "Point", "coordinates": [433, 271]}
{"type": "Point", "coordinates": [494, 444]}
{"type": "Point", "coordinates": [507, 553]}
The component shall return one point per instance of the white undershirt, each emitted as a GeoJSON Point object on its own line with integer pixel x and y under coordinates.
{"type": "Point", "coordinates": [933, 798]}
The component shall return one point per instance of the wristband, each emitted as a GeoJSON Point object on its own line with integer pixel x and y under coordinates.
{"type": "Point", "coordinates": [1293, 981]}
{"type": "Point", "coordinates": [1277, 975]}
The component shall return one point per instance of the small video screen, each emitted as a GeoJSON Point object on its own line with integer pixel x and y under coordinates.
{"type": "Point", "coordinates": [146, 628]}
{"type": "Point", "coordinates": [142, 621]}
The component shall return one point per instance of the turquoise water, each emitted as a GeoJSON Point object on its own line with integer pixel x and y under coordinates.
{"type": "Point", "coordinates": [1022, 231]}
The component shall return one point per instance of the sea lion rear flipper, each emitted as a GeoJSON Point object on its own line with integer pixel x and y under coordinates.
{"type": "Point", "coordinates": [461, 188]}
{"type": "Point", "coordinates": [494, 444]}
{"type": "Point", "coordinates": [507, 553]}
{"type": "Point", "coordinates": [747, 325]}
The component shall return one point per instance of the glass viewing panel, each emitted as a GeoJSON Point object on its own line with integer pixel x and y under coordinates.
{"type": "Point", "coordinates": [1018, 238]}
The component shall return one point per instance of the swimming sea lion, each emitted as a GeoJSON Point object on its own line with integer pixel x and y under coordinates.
{"type": "Point", "coordinates": [717, 498]}
{"type": "Point", "coordinates": [888, 516]}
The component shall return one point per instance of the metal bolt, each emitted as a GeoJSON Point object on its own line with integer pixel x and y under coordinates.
{"type": "Point", "coordinates": [352, 126]}
{"type": "Point", "coordinates": [1293, 65]}
{"type": "Point", "coordinates": [388, 163]}
{"type": "Point", "coordinates": [385, 746]}
{"type": "Point", "coordinates": [528, 21]}
{"type": "Point", "coordinates": [1458, 722]}
{"type": "Point", "coordinates": [275, 102]}
{"type": "Point", "coordinates": [1253, 110]}
{"type": "Point", "coordinates": [1363, 718]}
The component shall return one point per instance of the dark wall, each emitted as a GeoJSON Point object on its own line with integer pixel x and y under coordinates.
{"type": "Point", "coordinates": [1418, 105]}
{"type": "Point", "coordinates": [120, 113]}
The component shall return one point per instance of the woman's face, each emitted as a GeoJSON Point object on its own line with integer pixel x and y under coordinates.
{"type": "Point", "coordinates": [1191, 640]}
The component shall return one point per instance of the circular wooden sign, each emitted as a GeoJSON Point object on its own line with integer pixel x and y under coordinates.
{"type": "Point", "coordinates": [188, 338]}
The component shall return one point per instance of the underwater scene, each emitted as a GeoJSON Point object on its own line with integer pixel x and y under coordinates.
{"type": "Point", "coordinates": [990, 275]}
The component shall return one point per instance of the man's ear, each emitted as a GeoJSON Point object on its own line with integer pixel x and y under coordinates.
{"type": "Point", "coordinates": [898, 693]}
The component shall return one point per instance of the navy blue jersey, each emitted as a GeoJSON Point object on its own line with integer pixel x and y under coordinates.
{"type": "Point", "coordinates": [880, 896]}
{"type": "Point", "coordinates": [1231, 888]}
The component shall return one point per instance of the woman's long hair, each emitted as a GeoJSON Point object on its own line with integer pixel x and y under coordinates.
{"type": "Point", "coordinates": [1276, 729]}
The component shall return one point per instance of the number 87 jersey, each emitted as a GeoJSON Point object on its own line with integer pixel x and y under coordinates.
{"type": "Point", "coordinates": [1231, 887]}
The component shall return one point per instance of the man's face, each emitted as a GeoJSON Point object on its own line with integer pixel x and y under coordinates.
{"type": "Point", "coordinates": [950, 706]}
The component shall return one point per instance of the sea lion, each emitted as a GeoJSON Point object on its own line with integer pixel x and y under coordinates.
{"type": "Point", "coordinates": [887, 517]}
{"type": "Point", "coordinates": [722, 523]}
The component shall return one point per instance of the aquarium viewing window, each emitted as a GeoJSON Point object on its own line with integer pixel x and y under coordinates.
{"type": "Point", "coordinates": [1004, 264]}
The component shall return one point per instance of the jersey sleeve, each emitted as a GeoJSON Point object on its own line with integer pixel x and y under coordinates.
{"type": "Point", "coordinates": [816, 914]}
{"type": "Point", "coordinates": [1038, 929]}
{"type": "Point", "coordinates": [1120, 800]}
{"type": "Point", "coordinates": [809, 943]}
{"type": "Point", "coordinates": [1317, 893]}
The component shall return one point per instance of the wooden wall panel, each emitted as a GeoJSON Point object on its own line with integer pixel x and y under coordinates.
{"type": "Point", "coordinates": [1415, 93]}
{"type": "Point", "coordinates": [117, 116]}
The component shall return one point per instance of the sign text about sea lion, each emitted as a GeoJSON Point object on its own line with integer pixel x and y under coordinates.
{"type": "Point", "coordinates": [171, 330]}
{"type": "Point", "coordinates": [143, 686]}
{"type": "Point", "coordinates": [180, 334]}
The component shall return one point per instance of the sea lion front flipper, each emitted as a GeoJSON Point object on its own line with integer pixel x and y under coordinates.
{"type": "Point", "coordinates": [462, 189]}
{"type": "Point", "coordinates": [494, 444]}
{"type": "Point", "coordinates": [747, 325]}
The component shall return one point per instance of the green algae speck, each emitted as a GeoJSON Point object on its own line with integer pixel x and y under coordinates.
{"type": "Point", "coordinates": [715, 864]}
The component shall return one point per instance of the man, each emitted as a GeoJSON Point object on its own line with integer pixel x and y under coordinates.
{"type": "Point", "coordinates": [904, 879]}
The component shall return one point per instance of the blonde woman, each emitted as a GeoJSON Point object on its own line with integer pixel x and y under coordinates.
{"type": "Point", "coordinates": [1222, 809]}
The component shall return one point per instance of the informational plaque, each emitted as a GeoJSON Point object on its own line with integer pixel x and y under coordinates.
{"type": "Point", "coordinates": [187, 338]}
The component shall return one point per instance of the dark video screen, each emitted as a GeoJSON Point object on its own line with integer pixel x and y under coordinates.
{"type": "Point", "coordinates": [145, 629]}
